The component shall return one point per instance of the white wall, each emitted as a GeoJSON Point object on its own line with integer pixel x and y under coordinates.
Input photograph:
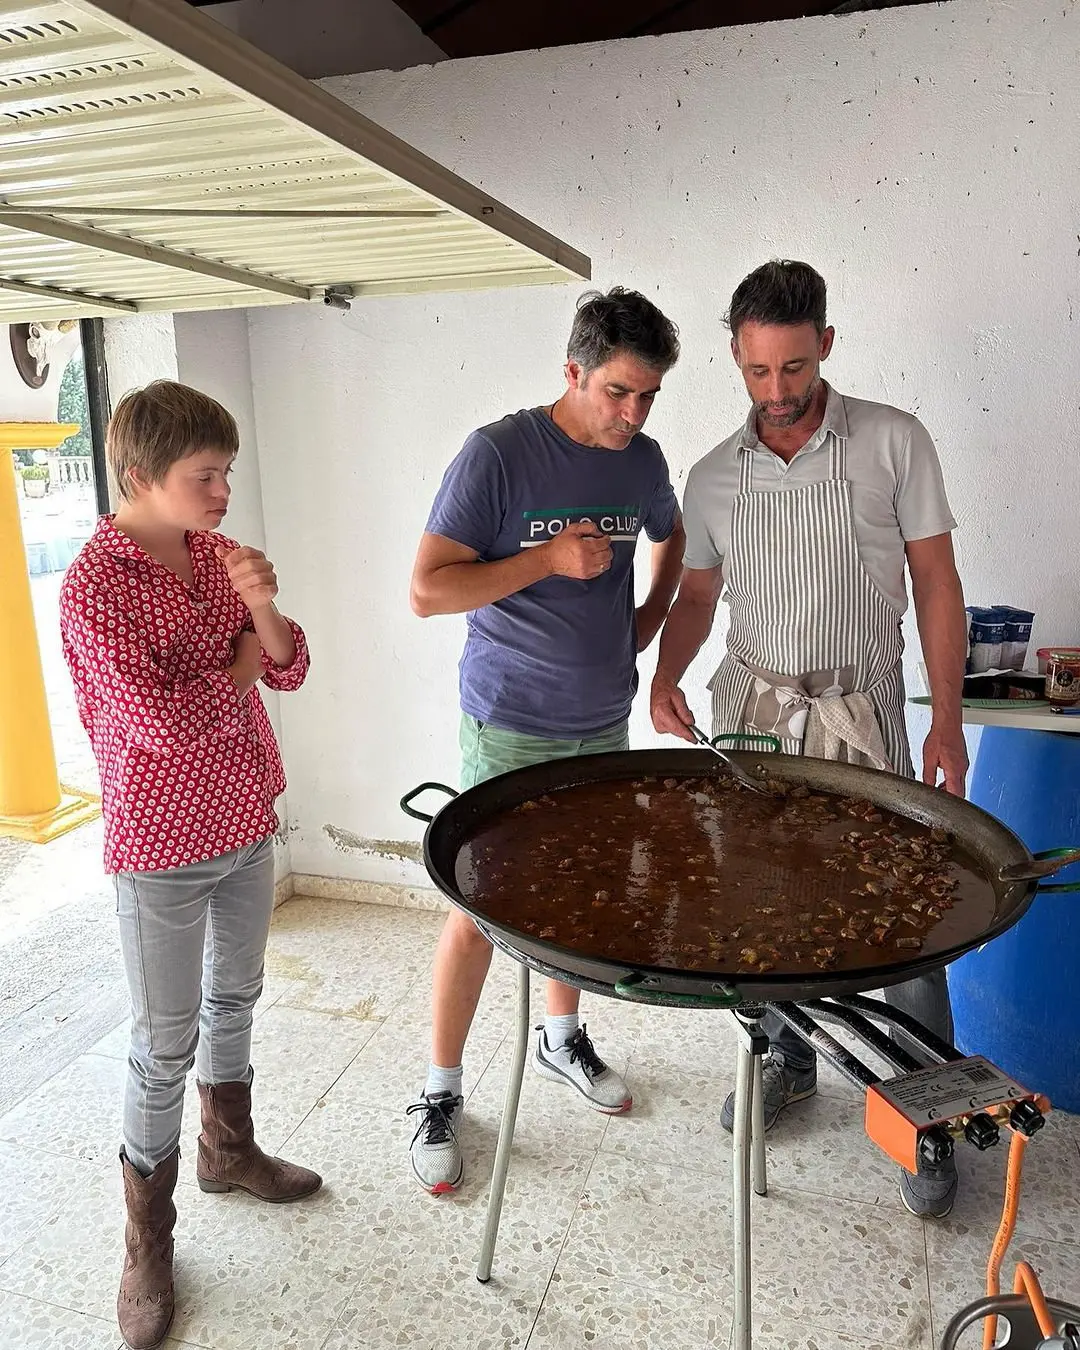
{"type": "Point", "coordinates": [923, 159]}
{"type": "Point", "coordinates": [137, 350]}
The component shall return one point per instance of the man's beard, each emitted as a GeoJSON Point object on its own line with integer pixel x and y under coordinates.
{"type": "Point", "coordinates": [792, 410]}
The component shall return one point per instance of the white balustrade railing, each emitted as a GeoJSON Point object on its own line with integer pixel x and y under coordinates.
{"type": "Point", "coordinates": [73, 469]}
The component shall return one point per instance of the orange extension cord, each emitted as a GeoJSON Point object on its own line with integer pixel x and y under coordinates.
{"type": "Point", "coordinates": [1026, 1281]}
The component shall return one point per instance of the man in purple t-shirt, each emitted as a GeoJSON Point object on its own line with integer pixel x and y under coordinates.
{"type": "Point", "coordinates": [532, 535]}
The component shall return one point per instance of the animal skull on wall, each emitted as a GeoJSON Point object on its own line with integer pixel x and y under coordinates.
{"type": "Point", "coordinates": [32, 345]}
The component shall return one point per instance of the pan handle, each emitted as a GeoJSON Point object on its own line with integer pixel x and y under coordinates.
{"type": "Point", "coordinates": [735, 739]}
{"type": "Point", "coordinates": [1044, 864]}
{"type": "Point", "coordinates": [407, 800]}
{"type": "Point", "coordinates": [631, 986]}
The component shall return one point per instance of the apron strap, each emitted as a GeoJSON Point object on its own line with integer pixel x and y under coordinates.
{"type": "Point", "coordinates": [837, 456]}
{"type": "Point", "coordinates": [746, 470]}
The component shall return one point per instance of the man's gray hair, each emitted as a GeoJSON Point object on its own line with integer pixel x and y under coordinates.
{"type": "Point", "coordinates": [621, 321]}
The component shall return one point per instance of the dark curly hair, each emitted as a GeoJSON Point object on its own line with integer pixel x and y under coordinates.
{"type": "Point", "coordinates": [621, 321]}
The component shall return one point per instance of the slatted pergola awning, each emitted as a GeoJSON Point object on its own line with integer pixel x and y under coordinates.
{"type": "Point", "coordinates": [150, 159]}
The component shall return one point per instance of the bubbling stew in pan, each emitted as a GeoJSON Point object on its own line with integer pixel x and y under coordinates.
{"type": "Point", "coordinates": [701, 874]}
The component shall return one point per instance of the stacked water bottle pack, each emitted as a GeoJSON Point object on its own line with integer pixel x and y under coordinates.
{"type": "Point", "coordinates": [998, 638]}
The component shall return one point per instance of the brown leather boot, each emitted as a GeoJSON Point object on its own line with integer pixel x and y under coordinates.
{"type": "Point", "coordinates": [230, 1159]}
{"type": "Point", "coordinates": [144, 1306]}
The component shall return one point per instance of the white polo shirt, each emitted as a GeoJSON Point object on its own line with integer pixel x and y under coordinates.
{"type": "Point", "coordinates": [897, 489]}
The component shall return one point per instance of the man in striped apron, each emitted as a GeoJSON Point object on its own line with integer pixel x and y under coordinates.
{"type": "Point", "coordinates": [806, 519]}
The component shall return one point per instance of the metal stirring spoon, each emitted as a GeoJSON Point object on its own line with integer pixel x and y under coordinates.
{"type": "Point", "coordinates": [736, 770]}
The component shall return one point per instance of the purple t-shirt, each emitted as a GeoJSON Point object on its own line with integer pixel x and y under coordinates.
{"type": "Point", "coordinates": [559, 658]}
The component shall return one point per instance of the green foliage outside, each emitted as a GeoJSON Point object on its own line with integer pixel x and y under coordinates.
{"type": "Point", "coordinates": [72, 407]}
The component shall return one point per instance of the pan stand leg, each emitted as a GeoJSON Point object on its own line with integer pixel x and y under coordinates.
{"type": "Point", "coordinates": [748, 1158]}
{"type": "Point", "coordinates": [757, 1129]}
{"type": "Point", "coordinates": [506, 1128]}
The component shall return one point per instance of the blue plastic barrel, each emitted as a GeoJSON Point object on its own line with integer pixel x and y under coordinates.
{"type": "Point", "coordinates": [1017, 1000]}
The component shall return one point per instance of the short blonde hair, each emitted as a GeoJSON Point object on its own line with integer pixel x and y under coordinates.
{"type": "Point", "coordinates": [153, 428]}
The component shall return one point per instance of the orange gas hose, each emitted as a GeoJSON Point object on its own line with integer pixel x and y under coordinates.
{"type": "Point", "coordinates": [1005, 1230]}
{"type": "Point", "coordinates": [1027, 1282]}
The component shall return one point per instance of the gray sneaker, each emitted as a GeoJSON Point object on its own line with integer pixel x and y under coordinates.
{"type": "Point", "coordinates": [780, 1086]}
{"type": "Point", "coordinates": [931, 1193]}
{"type": "Point", "coordinates": [435, 1152]}
{"type": "Point", "coordinates": [577, 1064]}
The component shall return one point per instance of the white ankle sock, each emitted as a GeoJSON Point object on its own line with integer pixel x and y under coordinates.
{"type": "Point", "coordinates": [558, 1030]}
{"type": "Point", "coordinates": [443, 1080]}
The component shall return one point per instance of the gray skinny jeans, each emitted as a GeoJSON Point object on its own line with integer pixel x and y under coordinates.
{"type": "Point", "coordinates": [193, 941]}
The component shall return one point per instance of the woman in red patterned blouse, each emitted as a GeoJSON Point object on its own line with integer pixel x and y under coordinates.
{"type": "Point", "coordinates": [168, 629]}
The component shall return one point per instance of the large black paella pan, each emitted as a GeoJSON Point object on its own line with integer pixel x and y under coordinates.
{"type": "Point", "coordinates": [479, 844]}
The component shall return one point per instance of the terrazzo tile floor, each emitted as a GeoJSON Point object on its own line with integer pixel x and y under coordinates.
{"type": "Point", "coordinates": [615, 1231]}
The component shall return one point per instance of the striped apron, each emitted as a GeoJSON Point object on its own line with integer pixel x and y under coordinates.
{"type": "Point", "coordinates": [802, 604]}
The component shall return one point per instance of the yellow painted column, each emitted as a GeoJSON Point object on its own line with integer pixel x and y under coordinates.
{"type": "Point", "coordinates": [33, 805]}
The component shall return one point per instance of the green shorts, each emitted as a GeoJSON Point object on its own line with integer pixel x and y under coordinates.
{"type": "Point", "coordinates": [487, 751]}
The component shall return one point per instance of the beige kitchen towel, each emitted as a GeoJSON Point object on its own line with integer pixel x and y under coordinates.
{"type": "Point", "coordinates": [845, 728]}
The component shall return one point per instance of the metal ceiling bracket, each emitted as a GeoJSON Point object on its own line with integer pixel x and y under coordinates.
{"type": "Point", "coordinates": [338, 297]}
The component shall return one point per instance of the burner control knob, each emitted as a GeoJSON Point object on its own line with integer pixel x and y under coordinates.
{"type": "Point", "coordinates": [935, 1146]}
{"type": "Point", "coordinates": [982, 1131]}
{"type": "Point", "coordinates": [1026, 1118]}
